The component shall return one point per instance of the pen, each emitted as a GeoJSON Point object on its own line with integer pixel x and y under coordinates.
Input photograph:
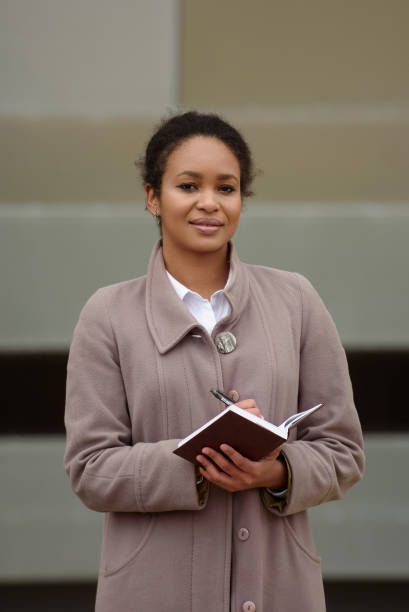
{"type": "Point", "coordinates": [222, 397]}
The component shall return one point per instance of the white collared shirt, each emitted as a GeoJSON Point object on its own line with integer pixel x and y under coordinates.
{"type": "Point", "coordinates": [206, 312]}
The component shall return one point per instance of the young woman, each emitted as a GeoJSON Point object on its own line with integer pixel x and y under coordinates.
{"type": "Point", "coordinates": [144, 357]}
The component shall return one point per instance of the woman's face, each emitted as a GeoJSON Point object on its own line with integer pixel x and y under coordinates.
{"type": "Point", "coordinates": [200, 200]}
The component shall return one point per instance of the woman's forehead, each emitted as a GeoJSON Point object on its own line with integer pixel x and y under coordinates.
{"type": "Point", "coordinates": [201, 154]}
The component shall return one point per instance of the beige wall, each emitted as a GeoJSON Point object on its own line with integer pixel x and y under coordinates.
{"type": "Point", "coordinates": [71, 159]}
{"type": "Point", "coordinates": [319, 88]}
{"type": "Point", "coordinates": [238, 53]}
{"type": "Point", "coordinates": [78, 159]}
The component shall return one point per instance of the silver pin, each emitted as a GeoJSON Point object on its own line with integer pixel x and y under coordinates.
{"type": "Point", "coordinates": [225, 342]}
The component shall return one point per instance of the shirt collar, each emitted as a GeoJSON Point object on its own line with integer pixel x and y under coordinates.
{"type": "Point", "coordinates": [182, 290]}
{"type": "Point", "coordinates": [168, 318]}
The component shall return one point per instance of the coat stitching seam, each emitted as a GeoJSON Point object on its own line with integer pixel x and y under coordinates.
{"type": "Point", "coordinates": [138, 483]}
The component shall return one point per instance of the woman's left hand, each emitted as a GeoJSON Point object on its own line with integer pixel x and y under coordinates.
{"type": "Point", "coordinates": [240, 473]}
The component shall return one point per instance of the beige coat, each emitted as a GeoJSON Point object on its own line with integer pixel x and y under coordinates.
{"type": "Point", "coordinates": [139, 380]}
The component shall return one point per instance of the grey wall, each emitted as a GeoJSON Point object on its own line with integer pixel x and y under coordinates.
{"type": "Point", "coordinates": [48, 535]}
{"type": "Point", "coordinates": [53, 258]}
{"type": "Point", "coordinates": [85, 58]}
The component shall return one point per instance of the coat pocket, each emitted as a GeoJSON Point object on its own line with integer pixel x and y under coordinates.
{"type": "Point", "coordinates": [298, 529]}
{"type": "Point", "coordinates": [125, 535]}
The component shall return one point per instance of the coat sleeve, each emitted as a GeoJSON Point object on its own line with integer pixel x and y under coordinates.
{"type": "Point", "coordinates": [327, 457]}
{"type": "Point", "coordinates": [107, 470]}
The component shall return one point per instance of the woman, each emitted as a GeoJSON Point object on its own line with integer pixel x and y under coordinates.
{"type": "Point", "coordinates": [144, 356]}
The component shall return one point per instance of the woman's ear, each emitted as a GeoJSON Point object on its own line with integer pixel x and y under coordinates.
{"type": "Point", "coordinates": [152, 201]}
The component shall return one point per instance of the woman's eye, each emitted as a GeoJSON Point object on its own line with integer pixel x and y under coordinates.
{"type": "Point", "coordinates": [227, 188]}
{"type": "Point", "coordinates": [187, 186]}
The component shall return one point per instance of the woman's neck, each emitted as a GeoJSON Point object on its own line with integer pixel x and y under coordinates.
{"type": "Point", "coordinates": [204, 273]}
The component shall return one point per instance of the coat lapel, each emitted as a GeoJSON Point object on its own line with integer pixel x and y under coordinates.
{"type": "Point", "coordinates": [168, 318]}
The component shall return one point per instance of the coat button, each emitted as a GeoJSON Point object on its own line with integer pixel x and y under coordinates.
{"type": "Point", "coordinates": [225, 342]}
{"type": "Point", "coordinates": [249, 606]}
{"type": "Point", "coordinates": [234, 395]}
{"type": "Point", "coordinates": [243, 534]}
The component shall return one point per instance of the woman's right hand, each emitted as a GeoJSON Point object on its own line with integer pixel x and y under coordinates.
{"type": "Point", "coordinates": [251, 406]}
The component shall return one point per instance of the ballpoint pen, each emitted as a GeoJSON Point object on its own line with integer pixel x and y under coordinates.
{"type": "Point", "coordinates": [222, 397]}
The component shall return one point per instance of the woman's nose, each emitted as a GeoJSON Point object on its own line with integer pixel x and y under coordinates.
{"type": "Point", "coordinates": [208, 201]}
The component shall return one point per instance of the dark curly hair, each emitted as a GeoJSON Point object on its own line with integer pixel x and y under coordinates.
{"type": "Point", "coordinates": [173, 131]}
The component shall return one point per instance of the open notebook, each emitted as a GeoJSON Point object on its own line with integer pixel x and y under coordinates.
{"type": "Point", "coordinates": [250, 435]}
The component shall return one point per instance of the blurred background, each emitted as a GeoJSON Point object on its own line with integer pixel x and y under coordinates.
{"type": "Point", "coordinates": [320, 90]}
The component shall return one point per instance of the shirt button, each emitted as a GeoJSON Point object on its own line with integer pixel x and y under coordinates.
{"type": "Point", "coordinates": [249, 606]}
{"type": "Point", "coordinates": [243, 534]}
{"type": "Point", "coordinates": [234, 395]}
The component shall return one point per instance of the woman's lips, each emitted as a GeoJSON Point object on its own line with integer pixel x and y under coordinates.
{"type": "Point", "coordinates": [206, 226]}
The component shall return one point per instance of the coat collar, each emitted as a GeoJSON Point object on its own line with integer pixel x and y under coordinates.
{"type": "Point", "coordinates": [167, 316]}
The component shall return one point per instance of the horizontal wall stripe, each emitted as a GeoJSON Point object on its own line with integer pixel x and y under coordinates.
{"type": "Point", "coordinates": [293, 113]}
{"type": "Point", "coordinates": [272, 210]}
{"type": "Point", "coordinates": [363, 536]}
{"type": "Point", "coordinates": [315, 114]}
{"type": "Point", "coordinates": [52, 258]}
{"type": "Point", "coordinates": [78, 160]}
{"type": "Point", "coordinates": [340, 595]}
{"type": "Point", "coordinates": [33, 391]}
{"type": "Point", "coordinates": [71, 159]}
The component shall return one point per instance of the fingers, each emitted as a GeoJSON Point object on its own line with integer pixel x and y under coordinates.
{"type": "Point", "coordinates": [212, 460]}
{"type": "Point", "coordinates": [242, 463]}
{"type": "Point", "coordinates": [213, 472]}
{"type": "Point", "coordinates": [231, 471]}
{"type": "Point", "coordinates": [225, 468]}
{"type": "Point", "coordinates": [247, 404]}
{"type": "Point", "coordinates": [251, 406]}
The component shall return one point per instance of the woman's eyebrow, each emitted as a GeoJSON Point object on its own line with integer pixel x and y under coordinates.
{"type": "Point", "coordinates": [225, 177]}
{"type": "Point", "coordinates": [190, 173]}
{"type": "Point", "coordinates": [221, 177]}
